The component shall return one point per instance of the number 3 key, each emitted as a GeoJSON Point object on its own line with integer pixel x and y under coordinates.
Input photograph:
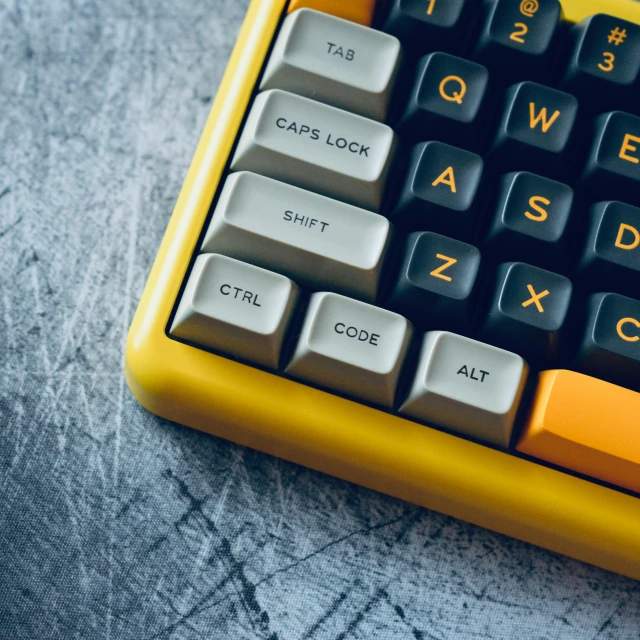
{"type": "Point", "coordinates": [604, 64]}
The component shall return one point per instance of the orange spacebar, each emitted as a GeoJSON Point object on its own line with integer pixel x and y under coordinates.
{"type": "Point", "coordinates": [586, 425]}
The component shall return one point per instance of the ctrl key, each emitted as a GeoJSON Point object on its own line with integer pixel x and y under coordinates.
{"type": "Point", "coordinates": [236, 308]}
{"type": "Point", "coordinates": [469, 387]}
{"type": "Point", "coordinates": [352, 348]}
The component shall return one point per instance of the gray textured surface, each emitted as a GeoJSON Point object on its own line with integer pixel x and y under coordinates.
{"type": "Point", "coordinates": [115, 524]}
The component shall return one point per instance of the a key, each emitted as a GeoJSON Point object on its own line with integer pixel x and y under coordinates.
{"type": "Point", "coordinates": [587, 425]}
{"type": "Point", "coordinates": [446, 102]}
{"type": "Point", "coordinates": [528, 312]}
{"type": "Point", "coordinates": [437, 282]}
{"type": "Point", "coordinates": [424, 26]}
{"type": "Point", "coordinates": [611, 258]}
{"type": "Point", "coordinates": [518, 36]}
{"type": "Point", "coordinates": [605, 64]}
{"type": "Point", "coordinates": [531, 220]}
{"type": "Point", "coordinates": [236, 308]}
{"type": "Point", "coordinates": [613, 167]}
{"type": "Point", "coordinates": [439, 190]}
{"type": "Point", "coordinates": [316, 147]}
{"type": "Point", "coordinates": [352, 348]}
{"type": "Point", "coordinates": [536, 130]}
{"type": "Point", "coordinates": [360, 11]}
{"type": "Point", "coordinates": [317, 241]}
{"type": "Point", "coordinates": [610, 346]}
{"type": "Point", "coordinates": [334, 61]}
{"type": "Point", "coordinates": [467, 386]}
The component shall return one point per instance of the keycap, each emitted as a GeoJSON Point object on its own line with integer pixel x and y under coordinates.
{"type": "Point", "coordinates": [437, 282]}
{"type": "Point", "coordinates": [611, 257]}
{"type": "Point", "coordinates": [439, 190]}
{"type": "Point", "coordinates": [605, 64]}
{"type": "Point", "coordinates": [610, 346]}
{"type": "Point", "coordinates": [531, 220]}
{"type": "Point", "coordinates": [316, 241]}
{"type": "Point", "coordinates": [352, 348]}
{"type": "Point", "coordinates": [517, 37]}
{"type": "Point", "coordinates": [428, 25]}
{"type": "Point", "coordinates": [445, 102]}
{"type": "Point", "coordinates": [528, 312]}
{"type": "Point", "coordinates": [468, 387]}
{"type": "Point", "coordinates": [586, 425]}
{"type": "Point", "coordinates": [334, 61]}
{"type": "Point", "coordinates": [613, 168]}
{"type": "Point", "coordinates": [361, 11]}
{"type": "Point", "coordinates": [536, 130]}
{"type": "Point", "coordinates": [236, 308]}
{"type": "Point", "coordinates": [316, 147]}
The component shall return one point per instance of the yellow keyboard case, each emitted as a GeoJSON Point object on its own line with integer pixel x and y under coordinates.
{"type": "Point", "coordinates": [340, 437]}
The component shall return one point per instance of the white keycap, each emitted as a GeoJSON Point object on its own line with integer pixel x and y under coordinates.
{"type": "Point", "coordinates": [351, 347]}
{"type": "Point", "coordinates": [316, 147]}
{"type": "Point", "coordinates": [468, 387]}
{"type": "Point", "coordinates": [236, 308]}
{"type": "Point", "coordinates": [319, 242]}
{"type": "Point", "coordinates": [334, 61]}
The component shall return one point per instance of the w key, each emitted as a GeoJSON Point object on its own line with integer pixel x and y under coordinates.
{"type": "Point", "coordinates": [536, 131]}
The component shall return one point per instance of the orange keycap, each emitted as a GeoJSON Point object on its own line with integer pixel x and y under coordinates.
{"type": "Point", "coordinates": [355, 10]}
{"type": "Point", "coordinates": [587, 425]}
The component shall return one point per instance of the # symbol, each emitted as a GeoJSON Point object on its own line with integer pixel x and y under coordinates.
{"type": "Point", "coordinates": [529, 7]}
{"type": "Point", "coordinates": [617, 36]}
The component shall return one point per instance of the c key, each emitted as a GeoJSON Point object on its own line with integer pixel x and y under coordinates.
{"type": "Point", "coordinates": [610, 348]}
{"type": "Point", "coordinates": [528, 312]}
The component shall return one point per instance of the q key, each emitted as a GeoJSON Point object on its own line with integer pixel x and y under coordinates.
{"type": "Point", "coordinates": [447, 102]}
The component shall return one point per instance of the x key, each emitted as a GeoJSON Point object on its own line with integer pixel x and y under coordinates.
{"type": "Point", "coordinates": [535, 298]}
{"type": "Point", "coordinates": [511, 325]}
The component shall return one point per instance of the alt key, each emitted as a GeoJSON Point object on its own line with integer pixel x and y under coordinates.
{"type": "Point", "coordinates": [467, 386]}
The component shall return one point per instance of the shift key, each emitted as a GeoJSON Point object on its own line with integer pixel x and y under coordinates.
{"type": "Point", "coordinates": [317, 147]}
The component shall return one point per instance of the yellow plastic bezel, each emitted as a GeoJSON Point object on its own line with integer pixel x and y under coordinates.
{"type": "Point", "coordinates": [338, 436]}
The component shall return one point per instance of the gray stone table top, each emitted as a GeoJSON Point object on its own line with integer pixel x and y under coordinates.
{"type": "Point", "coordinates": [116, 524]}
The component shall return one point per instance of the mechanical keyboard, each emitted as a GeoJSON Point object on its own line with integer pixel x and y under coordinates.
{"type": "Point", "coordinates": [407, 253]}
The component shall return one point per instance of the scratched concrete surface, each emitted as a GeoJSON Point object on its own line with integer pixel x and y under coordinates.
{"type": "Point", "coordinates": [116, 524]}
